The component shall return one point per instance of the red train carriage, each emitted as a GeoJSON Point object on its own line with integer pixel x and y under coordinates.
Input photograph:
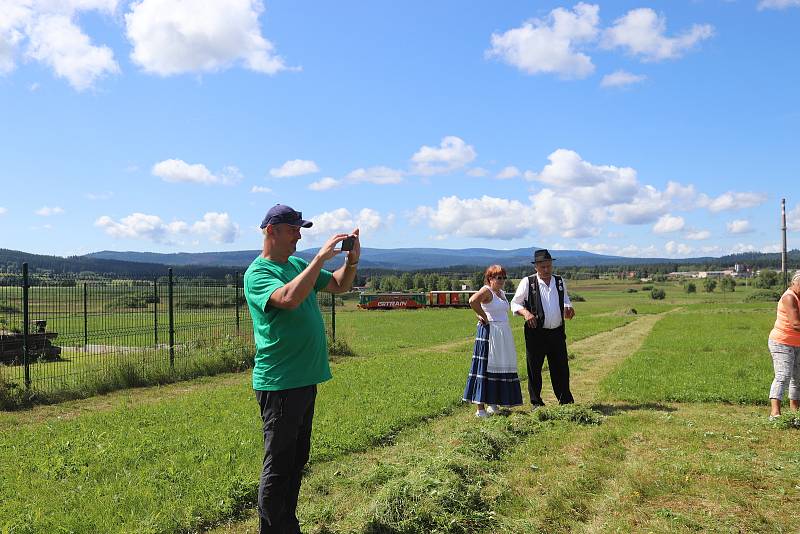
{"type": "Point", "coordinates": [391, 301]}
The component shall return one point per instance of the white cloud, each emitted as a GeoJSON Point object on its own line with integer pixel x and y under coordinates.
{"type": "Point", "coordinates": [550, 45]}
{"type": "Point", "coordinates": [586, 183]}
{"type": "Point", "coordinates": [777, 4]}
{"type": "Point", "coordinates": [174, 37]}
{"type": "Point", "coordinates": [739, 226]}
{"type": "Point", "coordinates": [477, 172]}
{"type": "Point", "coordinates": [176, 170]}
{"type": "Point", "coordinates": [452, 154]}
{"type": "Point", "coordinates": [615, 250]}
{"type": "Point", "coordinates": [375, 175]}
{"type": "Point", "coordinates": [141, 226]}
{"type": "Point", "coordinates": [733, 201]}
{"type": "Point", "coordinates": [738, 248]}
{"type": "Point", "coordinates": [260, 189]}
{"type": "Point", "coordinates": [100, 196]}
{"type": "Point", "coordinates": [621, 78]}
{"type": "Point", "coordinates": [554, 213]}
{"type": "Point", "coordinates": [698, 235]}
{"type": "Point", "coordinates": [487, 217]}
{"type": "Point", "coordinates": [793, 219]}
{"type": "Point", "coordinates": [3, 211]}
{"type": "Point", "coordinates": [677, 249]}
{"type": "Point", "coordinates": [295, 167]}
{"type": "Point", "coordinates": [668, 223]}
{"type": "Point", "coordinates": [47, 211]}
{"type": "Point", "coordinates": [216, 226]}
{"type": "Point", "coordinates": [59, 43]}
{"type": "Point", "coordinates": [507, 173]}
{"type": "Point", "coordinates": [325, 184]}
{"type": "Point", "coordinates": [50, 31]}
{"type": "Point", "coordinates": [342, 220]}
{"type": "Point", "coordinates": [642, 32]}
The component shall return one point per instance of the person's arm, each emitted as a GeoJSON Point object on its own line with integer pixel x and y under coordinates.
{"type": "Point", "coordinates": [569, 311]}
{"type": "Point", "coordinates": [518, 303]}
{"type": "Point", "coordinates": [790, 303]}
{"type": "Point", "coordinates": [289, 296]}
{"type": "Point", "coordinates": [342, 279]}
{"type": "Point", "coordinates": [482, 296]}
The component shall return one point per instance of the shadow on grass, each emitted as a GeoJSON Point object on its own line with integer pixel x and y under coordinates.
{"type": "Point", "coordinates": [615, 409]}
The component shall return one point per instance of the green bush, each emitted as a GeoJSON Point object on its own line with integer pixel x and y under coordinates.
{"type": "Point", "coordinates": [691, 287]}
{"type": "Point", "coordinates": [5, 307]}
{"type": "Point", "coordinates": [631, 290]}
{"type": "Point", "coordinates": [195, 303]}
{"type": "Point", "coordinates": [574, 297]}
{"type": "Point", "coordinates": [764, 295]}
{"type": "Point", "coordinates": [657, 294]}
{"type": "Point", "coordinates": [129, 301]}
{"type": "Point", "coordinates": [647, 287]}
{"type": "Point", "coordinates": [709, 284]}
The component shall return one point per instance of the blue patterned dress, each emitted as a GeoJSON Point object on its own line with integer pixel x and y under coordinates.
{"type": "Point", "coordinates": [493, 378]}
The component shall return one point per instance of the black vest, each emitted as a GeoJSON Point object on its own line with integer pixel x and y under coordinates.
{"type": "Point", "coordinates": [534, 301]}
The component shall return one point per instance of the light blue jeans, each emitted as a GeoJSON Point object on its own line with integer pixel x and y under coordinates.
{"type": "Point", "coordinates": [786, 361]}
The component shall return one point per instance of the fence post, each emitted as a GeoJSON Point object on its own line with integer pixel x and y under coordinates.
{"type": "Point", "coordinates": [333, 317]}
{"type": "Point", "coordinates": [85, 318]}
{"type": "Point", "coordinates": [236, 299]}
{"type": "Point", "coordinates": [25, 326]}
{"type": "Point", "coordinates": [171, 324]}
{"type": "Point", "coordinates": [155, 311]}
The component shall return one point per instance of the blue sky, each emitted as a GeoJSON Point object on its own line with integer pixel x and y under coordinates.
{"type": "Point", "coordinates": [642, 129]}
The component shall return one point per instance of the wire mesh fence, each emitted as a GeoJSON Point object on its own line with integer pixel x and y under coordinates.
{"type": "Point", "coordinates": [62, 333]}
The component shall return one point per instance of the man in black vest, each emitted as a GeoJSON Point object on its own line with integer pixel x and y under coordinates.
{"type": "Point", "coordinates": [543, 302]}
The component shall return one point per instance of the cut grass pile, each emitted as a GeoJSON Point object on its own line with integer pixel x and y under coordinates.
{"type": "Point", "coordinates": [185, 463]}
{"type": "Point", "coordinates": [703, 354]}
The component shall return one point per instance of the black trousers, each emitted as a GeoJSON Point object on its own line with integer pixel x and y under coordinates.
{"type": "Point", "coordinates": [287, 417]}
{"type": "Point", "coordinates": [541, 343]}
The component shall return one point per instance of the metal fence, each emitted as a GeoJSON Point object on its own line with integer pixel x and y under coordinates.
{"type": "Point", "coordinates": [59, 333]}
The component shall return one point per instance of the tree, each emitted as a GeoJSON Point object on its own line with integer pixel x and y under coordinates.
{"type": "Point", "coordinates": [477, 280]}
{"type": "Point", "coordinates": [443, 284]}
{"type": "Point", "coordinates": [766, 279]}
{"type": "Point", "coordinates": [508, 287]}
{"type": "Point", "coordinates": [727, 284]}
{"type": "Point", "coordinates": [709, 284]}
{"type": "Point", "coordinates": [406, 281]}
{"type": "Point", "coordinates": [657, 294]}
{"type": "Point", "coordinates": [691, 287]}
{"type": "Point", "coordinates": [419, 281]}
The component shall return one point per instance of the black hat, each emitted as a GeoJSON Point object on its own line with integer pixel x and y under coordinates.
{"type": "Point", "coordinates": [541, 255]}
{"type": "Point", "coordinates": [280, 214]}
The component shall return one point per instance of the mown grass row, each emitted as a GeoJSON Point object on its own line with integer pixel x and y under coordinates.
{"type": "Point", "coordinates": [703, 354]}
{"type": "Point", "coordinates": [186, 462]}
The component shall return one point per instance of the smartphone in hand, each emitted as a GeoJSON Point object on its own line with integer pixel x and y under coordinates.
{"type": "Point", "coordinates": [348, 242]}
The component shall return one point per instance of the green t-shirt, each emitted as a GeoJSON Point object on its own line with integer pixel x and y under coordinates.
{"type": "Point", "coordinates": [291, 345]}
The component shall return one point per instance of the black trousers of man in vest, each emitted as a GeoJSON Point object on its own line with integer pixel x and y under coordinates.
{"type": "Point", "coordinates": [552, 344]}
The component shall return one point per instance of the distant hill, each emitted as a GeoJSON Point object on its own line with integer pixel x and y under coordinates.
{"type": "Point", "coordinates": [12, 260]}
{"type": "Point", "coordinates": [402, 259]}
{"type": "Point", "coordinates": [219, 264]}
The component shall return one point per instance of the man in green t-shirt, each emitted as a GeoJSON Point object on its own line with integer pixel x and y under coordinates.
{"type": "Point", "coordinates": [291, 354]}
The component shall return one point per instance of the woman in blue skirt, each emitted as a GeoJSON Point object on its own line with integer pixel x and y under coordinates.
{"type": "Point", "coordinates": [493, 380]}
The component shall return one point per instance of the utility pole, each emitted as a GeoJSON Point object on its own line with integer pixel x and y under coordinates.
{"type": "Point", "coordinates": [783, 247]}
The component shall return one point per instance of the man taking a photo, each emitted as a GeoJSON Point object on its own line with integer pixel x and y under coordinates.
{"type": "Point", "coordinates": [291, 354]}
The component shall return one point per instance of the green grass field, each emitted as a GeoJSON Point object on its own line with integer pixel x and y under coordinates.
{"type": "Point", "coordinates": [394, 450]}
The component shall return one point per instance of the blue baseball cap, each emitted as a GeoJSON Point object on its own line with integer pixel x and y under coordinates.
{"type": "Point", "coordinates": [280, 214]}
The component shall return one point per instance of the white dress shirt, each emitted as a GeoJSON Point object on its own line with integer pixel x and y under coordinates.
{"type": "Point", "coordinates": [549, 297]}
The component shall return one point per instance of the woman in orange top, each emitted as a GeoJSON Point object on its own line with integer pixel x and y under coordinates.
{"type": "Point", "coordinates": [784, 345]}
